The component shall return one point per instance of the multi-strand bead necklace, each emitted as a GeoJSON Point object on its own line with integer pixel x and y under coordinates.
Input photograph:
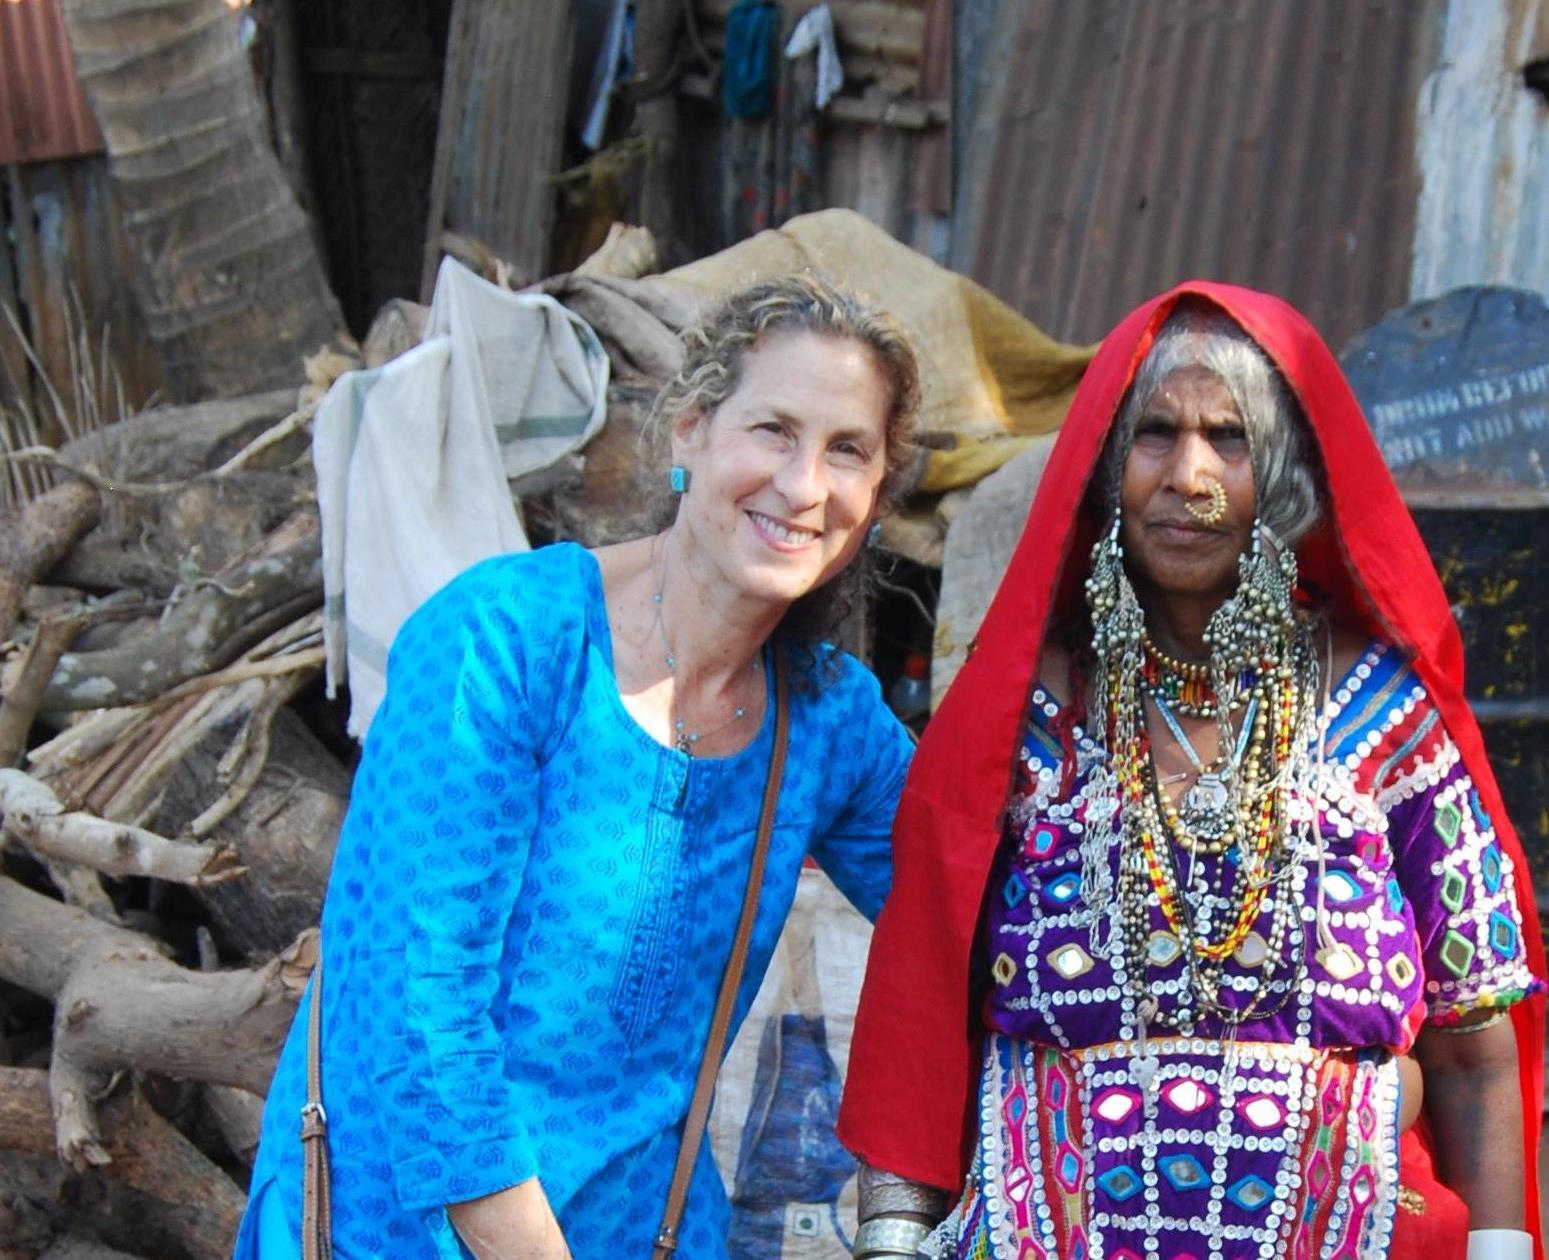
{"type": "Point", "coordinates": [1246, 815]}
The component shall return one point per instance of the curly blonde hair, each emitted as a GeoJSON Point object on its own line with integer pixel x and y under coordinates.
{"type": "Point", "coordinates": [715, 349]}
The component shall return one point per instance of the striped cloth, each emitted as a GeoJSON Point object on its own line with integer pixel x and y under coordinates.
{"type": "Point", "coordinates": [413, 459]}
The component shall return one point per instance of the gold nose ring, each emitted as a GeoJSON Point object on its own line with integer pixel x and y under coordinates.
{"type": "Point", "coordinates": [1215, 513]}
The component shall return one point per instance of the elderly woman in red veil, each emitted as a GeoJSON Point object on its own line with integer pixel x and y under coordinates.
{"type": "Point", "coordinates": [1202, 880]}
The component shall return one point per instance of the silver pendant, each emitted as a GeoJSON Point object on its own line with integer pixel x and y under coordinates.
{"type": "Point", "coordinates": [1206, 808]}
{"type": "Point", "coordinates": [1209, 795]}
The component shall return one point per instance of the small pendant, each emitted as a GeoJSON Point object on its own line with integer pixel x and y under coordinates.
{"type": "Point", "coordinates": [1208, 795]}
{"type": "Point", "coordinates": [1142, 1070]}
{"type": "Point", "coordinates": [1206, 811]}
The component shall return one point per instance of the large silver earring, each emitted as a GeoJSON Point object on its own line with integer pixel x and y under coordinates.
{"type": "Point", "coordinates": [1117, 620]}
{"type": "Point", "coordinates": [1257, 621]}
{"type": "Point", "coordinates": [1118, 631]}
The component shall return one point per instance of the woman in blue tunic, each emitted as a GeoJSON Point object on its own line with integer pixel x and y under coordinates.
{"type": "Point", "coordinates": [538, 881]}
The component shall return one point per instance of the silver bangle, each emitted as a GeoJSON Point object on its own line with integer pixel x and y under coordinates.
{"type": "Point", "coordinates": [882, 1193]}
{"type": "Point", "coordinates": [889, 1236]}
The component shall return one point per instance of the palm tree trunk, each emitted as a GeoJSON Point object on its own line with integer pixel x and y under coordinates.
{"type": "Point", "coordinates": [227, 274]}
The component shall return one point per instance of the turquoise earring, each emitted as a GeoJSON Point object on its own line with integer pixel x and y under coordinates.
{"type": "Point", "coordinates": [677, 479]}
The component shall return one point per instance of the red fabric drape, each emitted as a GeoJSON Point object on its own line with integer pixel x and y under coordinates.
{"type": "Point", "coordinates": [914, 1059]}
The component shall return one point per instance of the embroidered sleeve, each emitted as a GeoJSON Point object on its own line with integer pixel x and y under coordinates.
{"type": "Point", "coordinates": [1040, 767]}
{"type": "Point", "coordinates": [1459, 880]}
{"type": "Point", "coordinates": [448, 809]}
{"type": "Point", "coordinates": [857, 852]}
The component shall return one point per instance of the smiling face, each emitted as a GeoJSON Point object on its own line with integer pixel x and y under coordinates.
{"type": "Point", "coordinates": [786, 473]}
{"type": "Point", "coordinates": [1189, 438]}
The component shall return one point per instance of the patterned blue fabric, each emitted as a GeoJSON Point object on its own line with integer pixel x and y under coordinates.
{"type": "Point", "coordinates": [529, 912]}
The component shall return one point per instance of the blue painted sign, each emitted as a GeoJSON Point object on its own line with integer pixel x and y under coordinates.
{"type": "Point", "coordinates": [1456, 389]}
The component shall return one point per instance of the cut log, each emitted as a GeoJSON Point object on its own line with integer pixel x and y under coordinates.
{"type": "Point", "coordinates": [144, 1152]}
{"type": "Point", "coordinates": [627, 254]}
{"type": "Point", "coordinates": [103, 564]}
{"type": "Point", "coordinates": [398, 327]}
{"type": "Point", "coordinates": [34, 540]}
{"type": "Point", "coordinates": [621, 495]}
{"type": "Point", "coordinates": [207, 629]}
{"type": "Point", "coordinates": [285, 831]}
{"type": "Point", "coordinates": [239, 1116]}
{"type": "Point", "coordinates": [174, 443]}
{"type": "Point", "coordinates": [120, 1002]}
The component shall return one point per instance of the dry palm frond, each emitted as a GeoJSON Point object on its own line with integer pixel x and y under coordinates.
{"type": "Point", "coordinates": [38, 413]}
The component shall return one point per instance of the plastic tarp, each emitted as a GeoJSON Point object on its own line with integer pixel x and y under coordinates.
{"type": "Point", "coordinates": [791, 1184]}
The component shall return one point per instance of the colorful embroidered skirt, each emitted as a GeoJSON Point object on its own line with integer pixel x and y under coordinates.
{"type": "Point", "coordinates": [1251, 1151]}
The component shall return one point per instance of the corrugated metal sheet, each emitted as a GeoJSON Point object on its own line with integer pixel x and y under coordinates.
{"type": "Point", "coordinates": [42, 112]}
{"type": "Point", "coordinates": [1484, 153]}
{"type": "Point", "coordinates": [1119, 146]}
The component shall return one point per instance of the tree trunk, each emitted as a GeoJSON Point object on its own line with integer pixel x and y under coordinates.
{"type": "Point", "coordinates": [227, 275]}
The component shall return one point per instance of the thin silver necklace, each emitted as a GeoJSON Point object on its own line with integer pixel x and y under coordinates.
{"type": "Point", "coordinates": [683, 739]}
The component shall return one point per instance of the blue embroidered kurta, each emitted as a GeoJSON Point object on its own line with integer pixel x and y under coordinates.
{"type": "Point", "coordinates": [530, 909]}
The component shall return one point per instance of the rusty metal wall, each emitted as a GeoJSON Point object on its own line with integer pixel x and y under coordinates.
{"type": "Point", "coordinates": [42, 112]}
{"type": "Point", "coordinates": [1119, 146]}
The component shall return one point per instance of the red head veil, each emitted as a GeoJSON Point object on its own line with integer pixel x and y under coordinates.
{"type": "Point", "coordinates": [913, 1062]}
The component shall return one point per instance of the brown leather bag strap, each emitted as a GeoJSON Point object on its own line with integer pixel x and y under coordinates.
{"type": "Point", "coordinates": [316, 1200]}
{"type": "Point", "coordinates": [726, 999]}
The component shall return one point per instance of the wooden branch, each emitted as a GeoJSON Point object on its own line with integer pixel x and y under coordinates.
{"type": "Point", "coordinates": [203, 632]}
{"type": "Point", "coordinates": [244, 762]}
{"type": "Point", "coordinates": [239, 1116]}
{"type": "Point", "coordinates": [32, 813]}
{"type": "Point", "coordinates": [144, 1151]}
{"type": "Point", "coordinates": [218, 1027]}
{"type": "Point", "coordinates": [135, 797]}
{"type": "Point", "coordinates": [73, 1090]}
{"type": "Point", "coordinates": [44, 940]}
{"type": "Point", "coordinates": [19, 708]}
{"type": "Point", "coordinates": [34, 540]}
{"type": "Point", "coordinates": [304, 661]}
{"type": "Point", "coordinates": [92, 480]}
{"type": "Point", "coordinates": [120, 1003]}
{"type": "Point", "coordinates": [293, 423]}
{"type": "Point", "coordinates": [83, 889]}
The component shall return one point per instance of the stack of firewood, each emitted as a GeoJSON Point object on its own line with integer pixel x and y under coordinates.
{"type": "Point", "coordinates": [172, 779]}
{"type": "Point", "coordinates": [171, 787]}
